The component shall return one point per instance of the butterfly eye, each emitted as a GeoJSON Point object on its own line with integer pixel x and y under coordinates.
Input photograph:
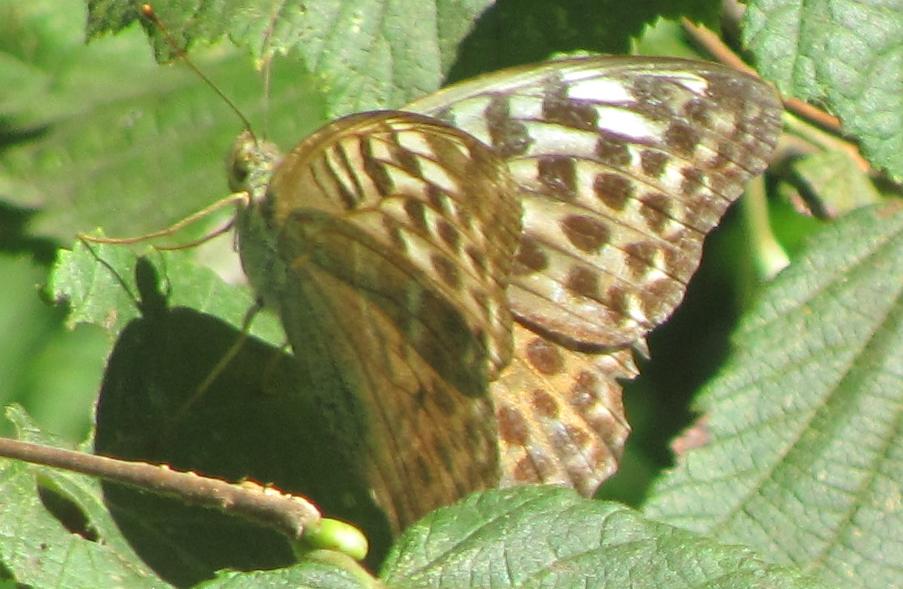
{"type": "Point", "coordinates": [238, 167]}
{"type": "Point", "coordinates": [238, 175]}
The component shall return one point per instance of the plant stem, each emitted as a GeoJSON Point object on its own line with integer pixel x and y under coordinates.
{"type": "Point", "coordinates": [290, 515]}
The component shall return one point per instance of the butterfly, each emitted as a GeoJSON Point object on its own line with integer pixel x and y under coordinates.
{"type": "Point", "coordinates": [465, 279]}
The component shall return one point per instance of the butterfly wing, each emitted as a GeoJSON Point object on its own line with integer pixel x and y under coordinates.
{"type": "Point", "coordinates": [559, 413]}
{"type": "Point", "coordinates": [388, 266]}
{"type": "Point", "coordinates": [624, 165]}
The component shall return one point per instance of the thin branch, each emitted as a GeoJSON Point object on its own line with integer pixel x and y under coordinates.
{"type": "Point", "coordinates": [290, 515]}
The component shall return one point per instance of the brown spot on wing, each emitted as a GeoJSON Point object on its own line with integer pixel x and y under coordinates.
{"type": "Point", "coordinates": [640, 256]}
{"type": "Point", "coordinates": [416, 213]}
{"type": "Point", "coordinates": [530, 257]}
{"type": "Point", "coordinates": [449, 234]}
{"type": "Point", "coordinates": [612, 150]}
{"type": "Point", "coordinates": [653, 162]}
{"type": "Point", "coordinates": [509, 137]}
{"type": "Point", "coordinates": [656, 208]}
{"type": "Point", "coordinates": [583, 281]}
{"type": "Point", "coordinates": [525, 472]}
{"type": "Point", "coordinates": [697, 111]}
{"type": "Point", "coordinates": [558, 176]}
{"type": "Point", "coordinates": [558, 108]}
{"type": "Point", "coordinates": [586, 233]}
{"type": "Point", "coordinates": [682, 138]}
{"type": "Point", "coordinates": [544, 357]}
{"type": "Point", "coordinates": [513, 429]}
{"type": "Point", "coordinates": [613, 190]}
{"type": "Point", "coordinates": [447, 270]}
{"type": "Point", "coordinates": [477, 259]}
{"type": "Point", "coordinates": [544, 404]}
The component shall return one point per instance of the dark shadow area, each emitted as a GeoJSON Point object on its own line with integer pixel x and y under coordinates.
{"type": "Point", "coordinates": [254, 422]}
{"type": "Point", "coordinates": [689, 349]}
{"type": "Point", "coordinates": [11, 134]}
{"type": "Point", "coordinates": [515, 32]}
{"type": "Point", "coordinates": [15, 239]}
{"type": "Point", "coordinates": [686, 352]}
{"type": "Point", "coordinates": [67, 512]}
{"type": "Point", "coordinates": [7, 576]}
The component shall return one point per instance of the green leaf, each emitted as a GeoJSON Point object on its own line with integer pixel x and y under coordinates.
{"type": "Point", "coordinates": [43, 56]}
{"type": "Point", "coordinates": [847, 55]}
{"type": "Point", "coordinates": [324, 570]}
{"type": "Point", "coordinates": [146, 149]}
{"type": "Point", "coordinates": [839, 185]}
{"type": "Point", "coordinates": [38, 550]}
{"type": "Point", "coordinates": [364, 54]}
{"type": "Point", "coordinates": [383, 54]}
{"type": "Point", "coordinates": [551, 537]}
{"type": "Point", "coordinates": [803, 456]}
{"type": "Point", "coordinates": [110, 285]}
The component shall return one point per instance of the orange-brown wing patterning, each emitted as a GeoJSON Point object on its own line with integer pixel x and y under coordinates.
{"type": "Point", "coordinates": [385, 241]}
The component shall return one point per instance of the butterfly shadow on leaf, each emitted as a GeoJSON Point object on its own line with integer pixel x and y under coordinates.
{"type": "Point", "coordinates": [254, 422]}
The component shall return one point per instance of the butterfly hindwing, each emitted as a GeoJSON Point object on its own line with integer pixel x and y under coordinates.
{"type": "Point", "coordinates": [559, 413]}
{"type": "Point", "coordinates": [624, 164]}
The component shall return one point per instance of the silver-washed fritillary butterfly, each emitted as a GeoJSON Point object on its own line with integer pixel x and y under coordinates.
{"type": "Point", "coordinates": [464, 279]}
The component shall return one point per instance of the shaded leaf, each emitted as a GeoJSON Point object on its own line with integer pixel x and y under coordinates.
{"type": "Point", "coordinates": [517, 32]}
{"type": "Point", "coordinates": [39, 551]}
{"type": "Point", "coordinates": [174, 323]}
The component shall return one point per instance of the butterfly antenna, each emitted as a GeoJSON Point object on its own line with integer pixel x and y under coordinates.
{"type": "Point", "coordinates": [267, 85]}
{"type": "Point", "coordinates": [147, 11]}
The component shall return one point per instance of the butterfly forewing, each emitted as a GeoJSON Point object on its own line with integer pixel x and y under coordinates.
{"type": "Point", "coordinates": [395, 235]}
{"type": "Point", "coordinates": [623, 166]}
{"type": "Point", "coordinates": [417, 188]}
{"type": "Point", "coordinates": [417, 440]}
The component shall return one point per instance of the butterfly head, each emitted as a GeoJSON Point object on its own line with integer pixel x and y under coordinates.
{"type": "Point", "coordinates": [250, 165]}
